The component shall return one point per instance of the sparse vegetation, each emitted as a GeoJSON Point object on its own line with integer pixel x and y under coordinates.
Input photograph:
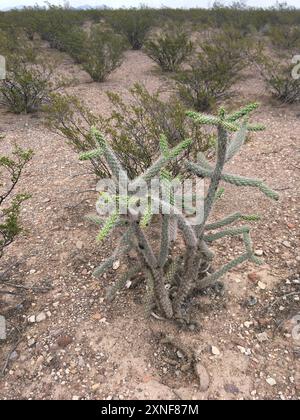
{"type": "Point", "coordinates": [29, 82]}
{"type": "Point", "coordinates": [212, 72]}
{"type": "Point", "coordinates": [10, 204]}
{"type": "Point", "coordinates": [134, 129]}
{"type": "Point", "coordinates": [103, 53]}
{"type": "Point", "coordinates": [169, 49]}
{"type": "Point", "coordinates": [191, 270]}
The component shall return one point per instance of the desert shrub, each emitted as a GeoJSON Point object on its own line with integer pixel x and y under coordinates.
{"type": "Point", "coordinates": [69, 117]}
{"type": "Point", "coordinates": [133, 24]}
{"type": "Point", "coordinates": [74, 42]}
{"type": "Point", "coordinates": [285, 37]}
{"type": "Point", "coordinates": [278, 76]}
{"type": "Point", "coordinates": [134, 129]}
{"type": "Point", "coordinates": [10, 204]}
{"type": "Point", "coordinates": [212, 72]}
{"type": "Point", "coordinates": [29, 81]}
{"type": "Point", "coordinates": [103, 53]}
{"type": "Point", "coordinates": [169, 49]}
{"type": "Point", "coordinates": [171, 273]}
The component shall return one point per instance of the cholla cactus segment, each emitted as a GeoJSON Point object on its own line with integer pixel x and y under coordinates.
{"type": "Point", "coordinates": [190, 270]}
{"type": "Point", "coordinates": [164, 145]}
{"type": "Point", "coordinates": [243, 112]}
{"type": "Point", "coordinates": [236, 143]}
{"type": "Point", "coordinates": [93, 154]}
{"type": "Point", "coordinates": [229, 122]}
{"type": "Point", "coordinates": [108, 226]}
{"type": "Point", "coordinates": [234, 179]}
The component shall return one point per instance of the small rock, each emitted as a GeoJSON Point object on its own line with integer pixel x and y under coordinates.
{"type": "Point", "coordinates": [251, 301]}
{"type": "Point", "coordinates": [41, 317]}
{"type": "Point", "coordinates": [287, 244]}
{"type": "Point", "coordinates": [116, 265]}
{"type": "Point", "coordinates": [262, 337]}
{"type": "Point", "coordinates": [248, 324]}
{"type": "Point", "coordinates": [31, 319]}
{"type": "Point", "coordinates": [55, 304]}
{"type": "Point", "coordinates": [262, 285]}
{"type": "Point", "coordinates": [79, 244]}
{"type": "Point", "coordinates": [242, 349]}
{"type": "Point", "coordinates": [254, 277]}
{"type": "Point", "coordinates": [231, 389]}
{"type": "Point", "coordinates": [14, 355]}
{"type": "Point", "coordinates": [215, 351]}
{"type": "Point", "coordinates": [75, 398]}
{"type": "Point", "coordinates": [259, 252]}
{"type": "Point", "coordinates": [95, 387]}
{"type": "Point", "coordinates": [271, 381]}
{"type": "Point", "coordinates": [64, 341]}
{"type": "Point", "coordinates": [31, 342]}
{"type": "Point", "coordinates": [203, 377]}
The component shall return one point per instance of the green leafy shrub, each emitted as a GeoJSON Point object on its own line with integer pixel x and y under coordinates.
{"type": "Point", "coordinates": [28, 83]}
{"type": "Point", "coordinates": [103, 53]}
{"type": "Point", "coordinates": [278, 77]}
{"type": "Point", "coordinates": [212, 73]}
{"type": "Point", "coordinates": [169, 49]}
{"type": "Point", "coordinates": [133, 24]}
{"type": "Point", "coordinates": [285, 37]}
{"type": "Point", "coordinates": [11, 170]}
{"type": "Point", "coordinates": [172, 276]}
{"type": "Point", "coordinates": [134, 129]}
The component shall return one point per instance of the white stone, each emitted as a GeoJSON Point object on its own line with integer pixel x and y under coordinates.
{"type": "Point", "coordinates": [215, 351]}
{"type": "Point", "coordinates": [41, 317]}
{"type": "Point", "coordinates": [271, 381]}
{"type": "Point", "coordinates": [31, 319]}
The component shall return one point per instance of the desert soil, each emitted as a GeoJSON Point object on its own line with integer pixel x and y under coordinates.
{"type": "Point", "coordinates": [248, 341]}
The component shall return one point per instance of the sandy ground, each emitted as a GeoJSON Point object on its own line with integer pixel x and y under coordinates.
{"type": "Point", "coordinates": [86, 348]}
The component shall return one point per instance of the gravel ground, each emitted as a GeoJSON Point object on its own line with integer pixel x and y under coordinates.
{"type": "Point", "coordinates": [66, 342]}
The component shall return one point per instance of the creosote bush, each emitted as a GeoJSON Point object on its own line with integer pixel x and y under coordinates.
{"type": "Point", "coordinates": [103, 53]}
{"type": "Point", "coordinates": [212, 72]}
{"type": "Point", "coordinates": [28, 84]}
{"type": "Point", "coordinates": [11, 169]}
{"type": "Point", "coordinates": [279, 78]}
{"type": "Point", "coordinates": [285, 37]}
{"type": "Point", "coordinates": [169, 49]}
{"type": "Point", "coordinates": [133, 129]}
{"type": "Point", "coordinates": [133, 24]}
{"type": "Point", "coordinates": [171, 278]}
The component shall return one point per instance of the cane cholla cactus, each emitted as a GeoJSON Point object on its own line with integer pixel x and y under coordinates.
{"type": "Point", "coordinates": [170, 279]}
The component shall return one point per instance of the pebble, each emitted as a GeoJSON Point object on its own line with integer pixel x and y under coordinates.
{"type": "Point", "coordinates": [262, 337]}
{"type": "Point", "coordinates": [215, 351]}
{"type": "Point", "coordinates": [31, 342]}
{"type": "Point", "coordinates": [116, 265]}
{"type": "Point", "coordinates": [262, 285]}
{"type": "Point", "coordinates": [31, 319]}
{"type": "Point", "coordinates": [287, 244]}
{"type": "Point", "coordinates": [254, 277]}
{"type": "Point", "coordinates": [259, 252]}
{"type": "Point", "coordinates": [41, 317]}
{"type": "Point", "coordinates": [64, 341]}
{"type": "Point", "coordinates": [231, 389]}
{"type": "Point", "coordinates": [271, 381]}
{"type": "Point", "coordinates": [79, 244]}
{"type": "Point", "coordinates": [203, 377]}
